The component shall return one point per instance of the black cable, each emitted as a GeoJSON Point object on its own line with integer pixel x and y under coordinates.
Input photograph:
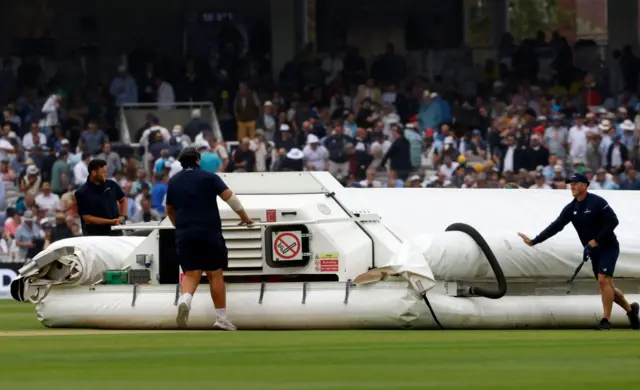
{"type": "Point", "coordinates": [433, 313]}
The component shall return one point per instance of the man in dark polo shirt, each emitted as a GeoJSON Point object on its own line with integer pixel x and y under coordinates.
{"type": "Point", "coordinates": [101, 202]}
{"type": "Point", "coordinates": [192, 208]}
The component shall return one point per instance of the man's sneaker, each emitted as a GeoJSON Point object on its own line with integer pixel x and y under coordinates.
{"type": "Point", "coordinates": [224, 324]}
{"type": "Point", "coordinates": [634, 316]}
{"type": "Point", "coordinates": [604, 325]}
{"type": "Point", "coordinates": [183, 315]}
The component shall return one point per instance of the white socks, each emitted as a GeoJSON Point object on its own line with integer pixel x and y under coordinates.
{"type": "Point", "coordinates": [186, 298]}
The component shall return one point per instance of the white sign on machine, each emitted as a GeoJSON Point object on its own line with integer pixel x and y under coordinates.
{"type": "Point", "coordinates": [287, 246]}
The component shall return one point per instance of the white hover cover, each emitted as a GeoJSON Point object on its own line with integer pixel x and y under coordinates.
{"type": "Point", "coordinates": [454, 256]}
{"type": "Point", "coordinates": [92, 256]}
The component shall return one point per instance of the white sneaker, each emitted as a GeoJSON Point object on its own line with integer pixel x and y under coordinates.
{"type": "Point", "coordinates": [183, 315]}
{"type": "Point", "coordinates": [224, 324]}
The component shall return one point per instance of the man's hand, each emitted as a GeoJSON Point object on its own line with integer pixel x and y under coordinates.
{"type": "Point", "coordinates": [117, 221]}
{"type": "Point", "coordinates": [246, 221]}
{"type": "Point", "coordinates": [593, 243]}
{"type": "Point", "coordinates": [526, 239]}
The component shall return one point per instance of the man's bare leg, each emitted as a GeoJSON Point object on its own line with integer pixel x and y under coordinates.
{"type": "Point", "coordinates": [190, 283]}
{"type": "Point", "coordinates": [219, 296]}
{"type": "Point", "coordinates": [607, 293]}
{"type": "Point", "coordinates": [632, 310]}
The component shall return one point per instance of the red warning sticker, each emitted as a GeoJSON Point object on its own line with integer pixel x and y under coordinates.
{"type": "Point", "coordinates": [328, 262]}
{"type": "Point", "coordinates": [271, 216]}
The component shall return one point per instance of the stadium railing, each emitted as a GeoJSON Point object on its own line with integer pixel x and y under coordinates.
{"type": "Point", "coordinates": [133, 116]}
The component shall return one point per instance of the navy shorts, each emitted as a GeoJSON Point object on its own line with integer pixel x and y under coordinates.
{"type": "Point", "coordinates": [603, 260]}
{"type": "Point", "coordinates": [202, 254]}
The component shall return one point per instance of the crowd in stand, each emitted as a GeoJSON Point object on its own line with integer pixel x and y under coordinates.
{"type": "Point", "coordinates": [369, 126]}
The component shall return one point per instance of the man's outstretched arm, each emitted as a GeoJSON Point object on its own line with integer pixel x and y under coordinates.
{"type": "Point", "coordinates": [554, 228]}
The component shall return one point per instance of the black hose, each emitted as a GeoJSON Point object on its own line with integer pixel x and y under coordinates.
{"type": "Point", "coordinates": [433, 313]}
{"type": "Point", "coordinates": [493, 262]}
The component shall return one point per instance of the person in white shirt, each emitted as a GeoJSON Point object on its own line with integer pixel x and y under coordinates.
{"type": "Point", "coordinates": [578, 140]}
{"type": "Point", "coordinates": [46, 199]}
{"type": "Point", "coordinates": [50, 111]}
{"type": "Point", "coordinates": [260, 148]}
{"type": "Point", "coordinates": [166, 95]}
{"type": "Point", "coordinates": [174, 167]}
{"type": "Point", "coordinates": [315, 155]}
{"type": "Point", "coordinates": [540, 183]}
{"type": "Point", "coordinates": [448, 168]}
{"type": "Point", "coordinates": [154, 123]}
{"type": "Point", "coordinates": [5, 145]}
{"type": "Point", "coordinates": [33, 137]}
{"type": "Point", "coordinates": [81, 170]}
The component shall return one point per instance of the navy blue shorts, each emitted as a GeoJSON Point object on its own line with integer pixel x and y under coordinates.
{"type": "Point", "coordinates": [603, 260]}
{"type": "Point", "coordinates": [202, 254]}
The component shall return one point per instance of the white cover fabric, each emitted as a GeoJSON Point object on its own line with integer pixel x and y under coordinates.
{"type": "Point", "coordinates": [93, 255]}
{"type": "Point", "coordinates": [455, 256]}
{"type": "Point", "coordinates": [383, 305]}
{"type": "Point", "coordinates": [409, 263]}
{"type": "Point", "coordinates": [498, 215]}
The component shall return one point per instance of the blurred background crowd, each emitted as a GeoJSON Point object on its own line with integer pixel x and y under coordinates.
{"type": "Point", "coordinates": [527, 117]}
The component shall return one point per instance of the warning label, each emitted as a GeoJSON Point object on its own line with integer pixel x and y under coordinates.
{"type": "Point", "coordinates": [287, 246]}
{"type": "Point", "coordinates": [327, 262]}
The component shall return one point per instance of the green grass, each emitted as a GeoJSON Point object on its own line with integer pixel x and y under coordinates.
{"type": "Point", "coordinates": [349, 360]}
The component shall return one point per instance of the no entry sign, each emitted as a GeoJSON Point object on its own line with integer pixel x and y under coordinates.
{"type": "Point", "coordinates": [287, 246]}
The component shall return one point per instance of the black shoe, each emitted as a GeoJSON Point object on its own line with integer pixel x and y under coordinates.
{"type": "Point", "coordinates": [634, 316]}
{"type": "Point", "coordinates": [604, 325]}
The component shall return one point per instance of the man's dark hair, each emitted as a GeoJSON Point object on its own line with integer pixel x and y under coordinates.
{"type": "Point", "coordinates": [189, 157]}
{"type": "Point", "coordinates": [86, 155]}
{"type": "Point", "coordinates": [96, 164]}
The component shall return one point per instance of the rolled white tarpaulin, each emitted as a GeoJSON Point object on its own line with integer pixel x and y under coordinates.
{"type": "Point", "coordinates": [280, 306]}
{"type": "Point", "coordinates": [89, 258]}
{"type": "Point", "coordinates": [456, 256]}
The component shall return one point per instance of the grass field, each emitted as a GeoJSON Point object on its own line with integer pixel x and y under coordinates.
{"type": "Point", "coordinates": [34, 358]}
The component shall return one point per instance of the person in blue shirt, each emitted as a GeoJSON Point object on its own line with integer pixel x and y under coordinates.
{"type": "Point", "coordinates": [158, 192]}
{"type": "Point", "coordinates": [199, 241]}
{"type": "Point", "coordinates": [209, 161]}
{"type": "Point", "coordinates": [594, 221]}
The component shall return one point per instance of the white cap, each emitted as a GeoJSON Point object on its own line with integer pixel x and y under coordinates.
{"type": "Point", "coordinates": [268, 103]}
{"type": "Point", "coordinates": [177, 130]}
{"type": "Point", "coordinates": [295, 154]}
{"type": "Point", "coordinates": [195, 113]}
{"type": "Point", "coordinates": [64, 142]}
{"type": "Point", "coordinates": [284, 127]}
{"type": "Point", "coordinates": [32, 170]}
{"type": "Point", "coordinates": [202, 144]}
{"type": "Point", "coordinates": [605, 124]}
{"type": "Point", "coordinates": [312, 139]}
{"type": "Point", "coordinates": [628, 125]}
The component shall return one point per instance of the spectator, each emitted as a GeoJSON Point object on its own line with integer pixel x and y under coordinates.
{"type": "Point", "coordinates": [114, 163]}
{"type": "Point", "coordinates": [31, 182]}
{"type": "Point", "coordinates": [46, 200]}
{"type": "Point", "coordinates": [247, 111]}
{"type": "Point", "coordinates": [123, 87]}
{"type": "Point", "coordinates": [316, 156]}
{"type": "Point", "coordinates": [92, 139]}
{"type": "Point", "coordinates": [399, 154]}
{"type": "Point", "coordinates": [61, 230]}
{"type": "Point", "coordinates": [339, 147]}
{"type": "Point", "coordinates": [158, 192]}
{"type": "Point", "coordinates": [33, 137]}
{"type": "Point", "coordinates": [209, 161]}
{"type": "Point", "coordinates": [28, 237]}
{"type": "Point", "coordinates": [81, 169]}
{"type": "Point", "coordinates": [244, 159]}
{"type": "Point", "coordinates": [166, 95]}
{"type": "Point", "coordinates": [146, 213]}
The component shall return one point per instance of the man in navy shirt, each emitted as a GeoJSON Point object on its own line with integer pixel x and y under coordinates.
{"type": "Point", "coordinates": [594, 220]}
{"type": "Point", "coordinates": [192, 208]}
{"type": "Point", "coordinates": [101, 202]}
